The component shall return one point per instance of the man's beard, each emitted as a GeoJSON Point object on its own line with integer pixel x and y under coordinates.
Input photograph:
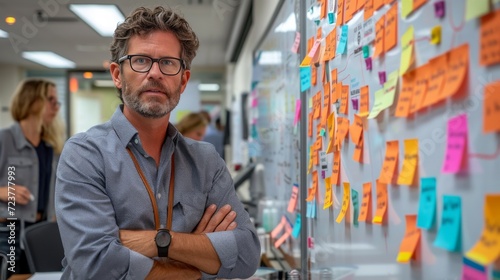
{"type": "Point", "coordinates": [152, 108]}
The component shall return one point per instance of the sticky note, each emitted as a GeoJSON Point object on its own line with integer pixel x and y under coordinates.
{"type": "Point", "coordinates": [355, 103]}
{"type": "Point", "coordinates": [342, 46]}
{"type": "Point", "coordinates": [296, 117]}
{"type": "Point", "coordinates": [296, 43]}
{"type": "Point", "coordinates": [355, 206]}
{"type": "Point", "coordinates": [380, 104]}
{"type": "Point", "coordinates": [292, 203]}
{"type": "Point", "coordinates": [458, 66]}
{"type": "Point", "coordinates": [450, 229]}
{"type": "Point", "coordinates": [390, 162]}
{"type": "Point", "coordinates": [364, 98]}
{"type": "Point", "coordinates": [491, 107]}
{"type": "Point", "coordinates": [420, 87]}
{"type": "Point", "coordinates": [473, 271]}
{"type": "Point", "coordinates": [366, 204]}
{"type": "Point", "coordinates": [487, 248]}
{"type": "Point", "coordinates": [346, 201]}
{"type": "Point", "coordinates": [490, 39]}
{"type": "Point", "coordinates": [368, 10]}
{"type": "Point", "coordinates": [356, 129]}
{"type": "Point", "coordinates": [410, 163]}
{"type": "Point", "coordinates": [340, 12]}
{"type": "Point", "coordinates": [342, 130]}
{"type": "Point", "coordinates": [285, 236]}
{"type": "Point", "coordinates": [328, 201]}
{"type": "Point", "coordinates": [358, 150]}
{"type": "Point", "coordinates": [331, 17]}
{"type": "Point", "coordinates": [313, 189]}
{"type": "Point", "coordinates": [368, 63]}
{"type": "Point", "coordinates": [476, 8]}
{"type": "Point", "coordinates": [436, 35]}
{"type": "Point", "coordinates": [344, 103]}
{"type": "Point", "coordinates": [382, 201]}
{"type": "Point", "coordinates": [456, 144]}
{"type": "Point", "coordinates": [406, 95]}
{"type": "Point", "coordinates": [436, 80]}
{"type": "Point", "coordinates": [305, 78]}
{"type": "Point", "coordinates": [427, 203]}
{"type": "Point", "coordinates": [366, 51]}
{"type": "Point", "coordinates": [391, 28]}
{"type": "Point", "coordinates": [336, 169]}
{"type": "Point", "coordinates": [297, 226]}
{"type": "Point", "coordinates": [407, 57]}
{"type": "Point", "coordinates": [410, 240]}
{"type": "Point", "coordinates": [406, 8]}
{"type": "Point", "coordinates": [439, 9]}
{"type": "Point", "coordinates": [382, 77]}
{"type": "Point", "coordinates": [385, 96]}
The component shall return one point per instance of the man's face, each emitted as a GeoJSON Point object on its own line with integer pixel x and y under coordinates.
{"type": "Point", "coordinates": [151, 94]}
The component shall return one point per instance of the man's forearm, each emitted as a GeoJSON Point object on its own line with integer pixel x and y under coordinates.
{"type": "Point", "coordinates": [172, 270]}
{"type": "Point", "coordinates": [196, 250]}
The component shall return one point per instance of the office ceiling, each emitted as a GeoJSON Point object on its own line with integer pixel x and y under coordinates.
{"type": "Point", "coordinates": [61, 31]}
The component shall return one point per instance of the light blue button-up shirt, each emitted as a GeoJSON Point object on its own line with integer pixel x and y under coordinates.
{"type": "Point", "coordinates": [99, 192]}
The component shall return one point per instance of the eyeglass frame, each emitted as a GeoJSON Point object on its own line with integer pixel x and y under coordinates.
{"type": "Point", "coordinates": [153, 60]}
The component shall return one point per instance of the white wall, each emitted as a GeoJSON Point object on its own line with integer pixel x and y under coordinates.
{"type": "Point", "coordinates": [10, 76]}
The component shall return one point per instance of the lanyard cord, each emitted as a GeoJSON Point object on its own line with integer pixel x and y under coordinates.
{"type": "Point", "coordinates": [150, 191]}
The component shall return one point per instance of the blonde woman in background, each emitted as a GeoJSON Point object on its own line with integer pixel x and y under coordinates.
{"type": "Point", "coordinates": [29, 150]}
{"type": "Point", "coordinates": [193, 125]}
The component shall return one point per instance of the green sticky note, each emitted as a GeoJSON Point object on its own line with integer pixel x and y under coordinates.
{"type": "Point", "coordinates": [366, 51]}
{"type": "Point", "coordinates": [355, 205]}
{"type": "Point", "coordinates": [331, 17]}
{"type": "Point", "coordinates": [476, 8]}
{"type": "Point", "coordinates": [322, 132]}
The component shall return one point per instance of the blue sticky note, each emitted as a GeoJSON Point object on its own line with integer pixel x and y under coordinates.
{"type": "Point", "coordinates": [305, 78]}
{"type": "Point", "coordinates": [331, 17]}
{"type": "Point", "coordinates": [496, 274]}
{"type": "Point", "coordinates": [322, 132]}
{"type": "Point", "coordinates": [309, 209]}
{"type": "Point", "coordinates": [366, 51]}
{"type": "Point", "coordinates": [450, 230]}
{"type": "Point", "coordinates": [313, 208]}
{"type": "Point", "coordinates": [355, 205]}
{"type": "Point", "coordinates": [296, 227]}
{"type": "Point", "coordinates": [342, 47]}
{"type": "Point", "coordinates": [427, 204]}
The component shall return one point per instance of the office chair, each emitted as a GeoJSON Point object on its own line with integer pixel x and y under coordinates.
{"type": "Point", "coordinates": [43, 247]}
{"type": "Point", "coordinates": [3, 266]}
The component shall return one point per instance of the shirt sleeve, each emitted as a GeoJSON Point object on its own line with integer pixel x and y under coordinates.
{"type": "Point", "coordinates": [86, 219]}
{"type": "Point", "coordinates": [239, 249]}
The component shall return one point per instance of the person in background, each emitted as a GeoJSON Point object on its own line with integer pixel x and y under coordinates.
{"type": "Point", "coordinates": [135, 199]}
{"type": "Point", "coordinates": [214, 135]}
{"type": "Point", "coordinates": [28, 159]}
{"type": "Point", "coordinates": [193, 125]}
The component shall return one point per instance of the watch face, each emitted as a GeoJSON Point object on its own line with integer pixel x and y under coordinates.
{"type": "Point", "coordinates": [162, 239]}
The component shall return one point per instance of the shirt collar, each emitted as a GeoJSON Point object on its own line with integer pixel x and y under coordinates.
{"type": "Point", "coordinates": [18, 134]}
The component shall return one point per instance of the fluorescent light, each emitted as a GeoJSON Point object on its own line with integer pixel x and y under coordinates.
{"type": "Point", "coordinates": [104, 83]}
{"type": "Point", "coordinates": [270, 58]}
{"type": "Point", "coordinates": [102, 18]}
{"type": "Point", "coordinates": [288, 25]}
{"type": "Point", "coordinates": [208, 87]}
{"type": "Point", "coordinates": [49, 59]}
{"type": "Point", "coordinates": [3, 34]}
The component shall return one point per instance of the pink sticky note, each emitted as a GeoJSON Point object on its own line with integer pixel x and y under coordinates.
{"type": "Point", "coordinates": [297, 112]}
{"type": "Point", "coordinates": [355, 103]}
{"type": "Point", "coordinates": [279, 227]}
{"type": "Point", "coordinates": [469, 273]}
{"type": "Point", "coordinates": [439, 9]}
{"type": "Point", "coordinates": [456, 144]}
{"type": "Point", "coordinates": [284, 237]}
{"type": "Point", "coordinates": [368, 62]}
{"type": "Point", "coordinates": [310, 242]}
{"type": "Point", "coordinates": [293, 199]}
{"type": "Point", "coordinates": [314, 49]}
{"type": "Point", "coordinates": [255, 102]}
{"type": "Point", "coordinates": [382, 77]}
{"type": "Point", "coordinates": [296, 44]}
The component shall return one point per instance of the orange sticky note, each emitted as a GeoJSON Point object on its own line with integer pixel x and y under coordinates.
{"type": "Point", "coordinates": [491, 107]}
{"type": "Point", "coordinates": [487, 248]}
{"type": "Point", "coordinates": [309, 166]}
{"type": "Point", "coordinates": [420, 88]}
{"type": "Point", "coordinates": [344, 100]}
{"type": "Point", "coordinates": [364, 98]}
{"type": "Point", "coordinates": [292, 203]}
{"type": "Point", "coordinates": [331, 125]}
{"type": "Point", "coordinates": [313, 189]}
{"type": "Point", "coordinates": [346, 202]}
{"type": "Point", "coordinates": [377, 4]}
{"type": "Point", "coordinates": [490, 39]}
{"type": "Point", "coordinates": [366, 204]}
{"type": "Point", "coordinates": [331, 45]}
{"type": "Point", "coordinates": [328, 193]}
{"type": "Point", "coordinates": [410, 240]}
{"type": "Point", "coordinates": [410, 163]}
{"type": "Point", "coordinates": [350, 9]}
{"type": "Point", "coordinates": [368, 9]}
{"type": "Point", "coordinates": [405, 97]}
{"type": "Point", "coordinates": [379, 37]}
{"type": "Point", "coordinates": [314, 75]}
{"type": "Point", "coordinates": [336, 169]}
{"type": "Point", "coordinates": [418, 3]}
{"type": "Point", "coordinates": [356, 129]}
{"type": "Point", "coordinates": [343, 130]}
{"type": "Point", "coordinates": [358, 151]}
{"type": "Point", "coordinates": [381, 203]}
{"type": "Point", "coordinates": [458, 64]}
{"type": "Point", "coordinates": [391, 28]}
{"type": "Point", "coordinates": [437, 76]}
{"type": "Point", "coordinates": [309, 127]}
{"type": "Point", "coordinates": [390, 164]}
{"type": "Point", "coordinates": [340, 12]}
{"type": "Point", "coordinates": [333, 75]}
{"type": "Point", "coordinates": [361, 4]}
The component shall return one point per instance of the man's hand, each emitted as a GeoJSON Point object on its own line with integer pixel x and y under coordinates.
{"type": "Point", "coordinates": [21, 193]}
{"type": "Point", "coordinates": [170, 269]}
{"type": "Point", "coordinates": [221, 221]}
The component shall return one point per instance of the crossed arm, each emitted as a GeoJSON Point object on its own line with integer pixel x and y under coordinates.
{"type": "Point", "coordinates": [189, 253]}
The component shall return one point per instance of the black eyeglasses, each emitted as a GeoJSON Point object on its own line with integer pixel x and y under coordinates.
{"type": "Point", "coordinates": [169, 66]}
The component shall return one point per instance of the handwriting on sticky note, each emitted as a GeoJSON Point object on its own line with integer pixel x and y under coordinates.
{"type": "Point", "coordinates": [406, 95]}
{"type": "Point", "coordinates": [457, 132]}
{"type": "Point", "coordinates": [346, 201]}
{"type": "Point", "coordinates": [313, 189]}
{"type": "Point", "coordinates": [391, 28]}
{"type": "Point", "coordinates": [410, 240]}
{"type": "Point", "coordinates": [379, 37]}
{"type": "Point", "coordinates": [436, 80]}
{"type": "Point", "coordinates": [390, 162]}
{"type": "Point", "coordinates": [342, 47]}
{"type": "Point", "coordinates": [407, 57]}
{"type": "Point", "coordinates": [449, 233]}
{"type": "Point", "coordinates": [364, 98]}
{"type": "Point", "coordinates": [410, 163]}
{"type": "Point", "coordinates": [490, 38]}
{"type": "Point", "coordinates": [292, 203]}
{"type": "Point", "coordinates": [427, 203]}
{"type": "Point", "coordinates": [366, 203]}
{"type": "Point", "coordinates": [381, 203]}
{"type": "Point", "coordinates": [305, 78]}
{"type": "Point", "coordinates": [328, 201]}
{"type": "Point", "coordinates": [491, 107]}
{"type": "Point", "coordinates": [487, 248]}
{"type": "Point", "coordinates": [458, 64]}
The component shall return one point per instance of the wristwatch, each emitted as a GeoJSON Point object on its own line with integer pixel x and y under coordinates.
{"type": "Point", "coordinates": [162, 241]}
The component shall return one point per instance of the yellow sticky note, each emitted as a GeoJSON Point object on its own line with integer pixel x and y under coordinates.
{"type": "Point", "coordinates": [385, 97]}
{"type": "Point", "coordinates": [309, 166]}
{"type": "Point", "coordinates": [476, 8]}
{"type": "Point", "coordinates": [487, 248]}
{"type": "Point", "coordinates": [410, 163]}
{"type": "Point", "coordinates": [328, 193]}
{"type": "Point", "coordinates": [436, 35]}
{"type": "Point", "coordinates": [379, 104]}
{"type": "Point", "coordinates": [346, 201]}
{"type": "Point", "coordinates": [407, 50]}
{"type": "Point", "coordinates": [407, 8]}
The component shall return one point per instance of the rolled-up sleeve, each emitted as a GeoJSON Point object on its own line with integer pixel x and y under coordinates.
{"type": "Point", "coordinates": [87, 222]}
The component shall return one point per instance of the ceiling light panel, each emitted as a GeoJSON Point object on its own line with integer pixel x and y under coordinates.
{"type": "Point", "coordinates": [102, 18]}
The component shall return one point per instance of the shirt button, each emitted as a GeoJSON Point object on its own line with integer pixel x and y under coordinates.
{"type": "Point", "coordinates": [158, 195]}
{"type": "Point", "coordinates": [162, 226]}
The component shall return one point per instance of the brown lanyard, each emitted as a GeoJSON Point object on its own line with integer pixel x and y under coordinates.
{"type": "Point", "coordinates": [150, 191]}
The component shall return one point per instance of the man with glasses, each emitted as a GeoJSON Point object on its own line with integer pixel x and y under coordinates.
{"type": "Point", "coordinates": [134, 198]}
